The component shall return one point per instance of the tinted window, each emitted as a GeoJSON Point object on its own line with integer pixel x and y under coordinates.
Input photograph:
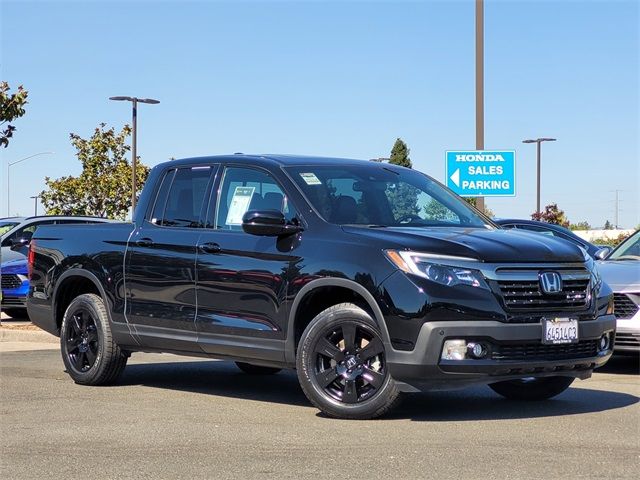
{"type": "Point", "coordinates": [533, 228]}
{"type": "Point", "coordinates": [246, 189]}
{"type": "Point", "coordinates": [6, 226]}
{"type": "Point", "coordinates": [25, 232]}
{"type": "Point", "coordinates": [179, 200]}
{"type": "Point", "coordinates": [380, 195]}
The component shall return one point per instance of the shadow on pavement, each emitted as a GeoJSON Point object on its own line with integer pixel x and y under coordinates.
{"type": "Point", "coordinates": [622, 365]}
{"type": "Point", "coordinates": [473, 404]}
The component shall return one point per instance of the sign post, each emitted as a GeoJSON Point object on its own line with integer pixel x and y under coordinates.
{"type": "Point", "coordinates": [482, 173]}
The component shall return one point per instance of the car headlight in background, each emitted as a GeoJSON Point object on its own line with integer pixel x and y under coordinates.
{"type": "Point", "coordinates": [428, 266]}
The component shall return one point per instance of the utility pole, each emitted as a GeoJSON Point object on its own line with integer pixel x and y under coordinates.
{"type": "Point", "coordinates": [617, 209]}
{"type": "Point", "coordinates": [480, 85]}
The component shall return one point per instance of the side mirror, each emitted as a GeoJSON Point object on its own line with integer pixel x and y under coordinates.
{"type": "Point", "coordinates": [603, 252]}
{"type": "Point", "coordinates": [270, 223]}
{"type": "Point", "coordinates": [18, 243]}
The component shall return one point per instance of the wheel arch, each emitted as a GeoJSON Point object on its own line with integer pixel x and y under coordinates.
{"type": "Point", "coordinates": [324, 284]}
{"type": "Point", "coordinates": [71, 284]}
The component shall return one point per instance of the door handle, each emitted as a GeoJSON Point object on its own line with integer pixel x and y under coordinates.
{"type": "Point", "coordinates": [144, 242]}
{"type": "Point", "coordinates": [210, 248]}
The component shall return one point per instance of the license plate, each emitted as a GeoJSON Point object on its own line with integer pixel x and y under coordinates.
{"type": "Point", "coordinates": [559, 330]}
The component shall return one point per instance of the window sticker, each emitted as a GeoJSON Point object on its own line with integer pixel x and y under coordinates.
{"type": "Point", "coordinates": [311, 179]}
{"type": "Point", "coordinates": [239, 205]}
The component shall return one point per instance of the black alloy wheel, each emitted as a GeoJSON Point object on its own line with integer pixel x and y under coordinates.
{"type": "Point", "coordinates": [342, 365]}
{"type": "Point", "coordinates": [82, 341]}
{"type": "Point", "coordinates": [89, 352]}
{"type": "Point", "coordinates": [349, 363]}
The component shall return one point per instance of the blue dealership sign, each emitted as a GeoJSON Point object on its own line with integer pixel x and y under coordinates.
{"type": "Point", "coordinates": [482, 173]}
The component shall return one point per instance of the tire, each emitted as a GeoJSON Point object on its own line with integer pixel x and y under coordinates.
{"type": "Point", "coordinates": [16, 312]}
{"type": "Point", "coordinates": [89, 353]}
{"type": "Point", "coordinates": [532, 388]}
{"type": "Point", "coordinates": [341, 365]}
{"type": "Point", "coordinates": [257, 369]}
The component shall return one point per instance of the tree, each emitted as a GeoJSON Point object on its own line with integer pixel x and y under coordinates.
{"type": "Point", "coordinates": [403, 197]}
{"type": "Point", "coordinates": [580, 226]}
{"type": "Point", "coordinates": [103, 188]}
{"type": "Point", "coordinates": [11, 107]}
{"type": "Point", "coordinates": [400, 154]}
{"type": "Point", "coordinates": [608, 225]}
{"type": "Point", "coordinates": [551, 214]}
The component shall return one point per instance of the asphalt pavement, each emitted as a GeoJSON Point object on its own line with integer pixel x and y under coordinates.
{"type": "Point", "coordinates": [180, 417]}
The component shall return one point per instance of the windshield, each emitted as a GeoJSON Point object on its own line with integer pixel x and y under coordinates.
{"type": "Point", "coordinates": [6, 226]}
{"type": "Point", "coordinates": [382, 196]}
{"type": "Point", "coordinates": [627, 250]}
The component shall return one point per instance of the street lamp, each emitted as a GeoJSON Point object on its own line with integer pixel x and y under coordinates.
{"type": "Point", "coordinates": [9, 164]}
{"type": "Point", "coordinates": [134, 104]}
{"type": "Point", "coordinates": [539, 141]}
{"type": "Point", "coordinates": [35, 204]}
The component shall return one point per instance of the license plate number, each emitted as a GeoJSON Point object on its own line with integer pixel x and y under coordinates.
{"type": "Point", "coordinates": [559, 330]}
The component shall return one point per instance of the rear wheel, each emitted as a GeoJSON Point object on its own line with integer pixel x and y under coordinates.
{"type": "Point", "coordinates": [89, 353]}
{"type": "Point", "coordinates": [257, 369]}
{"type": "Point", "coordinates": [342, 367]}
{"type": "Point", "coordinates": [532, 388]}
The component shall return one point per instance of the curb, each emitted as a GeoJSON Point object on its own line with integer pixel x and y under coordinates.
{"type": "Point", "coordinates": [16, 335]}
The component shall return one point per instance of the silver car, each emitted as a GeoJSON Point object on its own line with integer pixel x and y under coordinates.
{"type": "Point", "coordinates": [621, 270]}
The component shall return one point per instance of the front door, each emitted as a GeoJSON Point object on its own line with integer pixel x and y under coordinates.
{"type": "Point", "coordinates": [242, 278]}
{"type": "Point", "coordinates": [160, 277]}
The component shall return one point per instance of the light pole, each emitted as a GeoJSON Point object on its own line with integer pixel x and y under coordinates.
{"type": "Point", "coordinates": [539, 141]}
{"type": "Point", "coordinates": [35, 204]}
{"type": "Point", "coordinates": [480, 85]}
{"type": "Point", "coordinates": [9, 164]}
{"type": "Point", "coordinates": [134, 104]}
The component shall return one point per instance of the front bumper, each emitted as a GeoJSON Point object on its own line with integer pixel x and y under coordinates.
{"type": "Point", "coordinates": [628, 335]}
{"type": "Point", "coordinates": [422, 369]}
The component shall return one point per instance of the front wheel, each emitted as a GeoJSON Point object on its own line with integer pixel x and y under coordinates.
{"type": "Point", "coordinates": [89, 353]}
{"type": "Point", "coordinates": [532, 388]}
{"type": "Point", "coordinates": [342, 366]}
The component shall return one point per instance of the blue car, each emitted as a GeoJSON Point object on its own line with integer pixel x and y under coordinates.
{"type": "Point", "coordinates": [15, 287]}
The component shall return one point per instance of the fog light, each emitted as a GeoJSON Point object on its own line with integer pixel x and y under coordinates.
{"type": "Point", "coordinates": [476, 350]}
{"type": "Point", "coordinates": [454, 350]}
{"type": "Point", "coordinates": [604, 342]}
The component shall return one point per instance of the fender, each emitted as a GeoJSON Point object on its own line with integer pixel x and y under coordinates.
{"type": "Point", "coordinates": [118, 331]}
{"type": "Point", "coordinates": [290, 347]}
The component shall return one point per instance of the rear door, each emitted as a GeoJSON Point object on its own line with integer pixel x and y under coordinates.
{"type": "Point", "coordinates": [160, 278]}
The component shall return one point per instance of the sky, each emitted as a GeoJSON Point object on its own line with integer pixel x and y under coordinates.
{"type": "Point", "coordinates": [340, 79]}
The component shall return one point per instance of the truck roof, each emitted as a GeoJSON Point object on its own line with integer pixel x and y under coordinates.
{"type": "Point", "coordinates": [267, 159]}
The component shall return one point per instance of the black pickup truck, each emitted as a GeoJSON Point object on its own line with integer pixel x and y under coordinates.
{"type": "Point", "coordinates": [369, 279]}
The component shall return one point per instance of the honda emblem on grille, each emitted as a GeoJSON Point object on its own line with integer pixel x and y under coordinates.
{"type": "Point", "coordinates": [550, 282]}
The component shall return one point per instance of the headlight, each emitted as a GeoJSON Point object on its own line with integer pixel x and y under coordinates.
{"type": "Point", "coordinates": [428, 266]}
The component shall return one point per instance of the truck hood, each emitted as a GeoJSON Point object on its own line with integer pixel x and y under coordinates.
{"type": "Point", "coordinates": [621, 275]}
{"type": "Point", "coordinates": [491, 246]}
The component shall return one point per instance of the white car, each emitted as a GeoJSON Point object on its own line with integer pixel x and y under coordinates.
{"type": "Point", "coordinates": [621, 270]}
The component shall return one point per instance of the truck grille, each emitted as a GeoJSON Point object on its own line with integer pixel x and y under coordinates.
{"type": "Point", "coordinates": [628, 340]}
{"type": "Point", "coordinates": [539, 351]}
{"type": "Point", "coordinates": [10, 281]}
{"type": "Point", "coordinates": [14, 301]}
{"type": "Point", "coordinates": [525, 295]}
{"type": "Point", "coordinates": [623, 306]}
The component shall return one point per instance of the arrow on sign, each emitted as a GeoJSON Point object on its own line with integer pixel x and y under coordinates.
{"type": "Point", "coordinates": [455, 177]}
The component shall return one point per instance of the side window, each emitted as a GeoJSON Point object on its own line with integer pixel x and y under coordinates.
{"type": "Point", "coordinates": [180, 197]}
{"type": "Point", "coordinates": [533, 228]}
{"type": "Point", "coordinates": [246, 189]}
{"type": "Point", "coordinates": [25, 232]}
